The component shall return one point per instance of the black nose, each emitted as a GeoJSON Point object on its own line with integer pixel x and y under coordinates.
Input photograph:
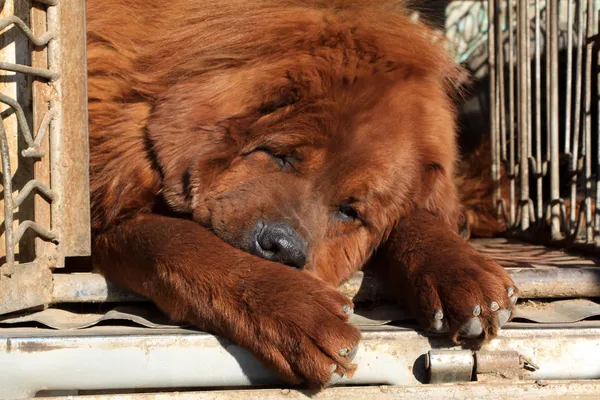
{"type": "Point", "coordinates": [278, 242]}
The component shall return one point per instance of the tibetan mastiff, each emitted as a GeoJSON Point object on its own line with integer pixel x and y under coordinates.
{"type": "Point", "coordinates": [248, 156]}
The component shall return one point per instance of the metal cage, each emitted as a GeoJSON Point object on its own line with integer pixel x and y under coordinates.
{"type": "Point", "coordinates": [542, 65]}
{"type": "Point", "coordinates": [43, 145]}
{"type": "Point", "coordinates": [545, 159]}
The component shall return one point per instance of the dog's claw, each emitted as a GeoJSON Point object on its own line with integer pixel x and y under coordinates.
{"type": "Point", "coordinates": [346, 309]}
{"type": "Point", "coordinates": [472, 329]}
{"type": "Point", "coordinates": [503, 317]}
{"type": "Point", "coordinates": [494, 306]}
{"type": "Point", "coordinates": [439, 325]}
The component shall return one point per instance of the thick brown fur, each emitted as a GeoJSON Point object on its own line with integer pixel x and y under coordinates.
{"type": "Point", "coordinates": [334, 117]}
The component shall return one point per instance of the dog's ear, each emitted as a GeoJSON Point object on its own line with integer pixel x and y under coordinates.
{"type": "Point", "coordinates": [190, 129]}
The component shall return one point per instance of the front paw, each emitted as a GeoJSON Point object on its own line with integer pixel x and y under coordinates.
{"type": "Point", "coordinates": [297, 325]}
{"type": "Point", "coordinates": [464, 293]}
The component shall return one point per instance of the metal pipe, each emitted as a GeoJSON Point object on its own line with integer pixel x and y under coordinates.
{"type": "Point", "coordinates": [589, 231]}
{"type": "Point", "coordinates": [24, 127]}
{"type": "Point", "coordinates": [555, 217]}
{"type": "Point", "coordinates": [532, 283]}
{"type": "Point", "coordinates": [493, 100]}
{"type": "Point", "coordinates": [523, 118]}
{"type": "Point", "coordinates": [501, 106]}
{"type": "Point", "coordinates": [574, 165]}
{"type": "Point", "coordinates": [8, 205]}
{"type": "Point", "coordinates": [511, 116]}
{"type": "Point", "coordinates": [18, 22]}
{"type": "Point", "coordinates": [570, 23]}
{"type": "Point", "coordinates": [539, 162]}
{"type": "Point", "coordinates": [42, 73]}
{"type": "Point", "coordinates": [446, 366]}
{"type": "Point", "coordinates": [142, 358]}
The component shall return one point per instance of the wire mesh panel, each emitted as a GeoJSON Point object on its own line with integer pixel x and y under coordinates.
{"type": "Point", "coordinates": [43, 145]}
{"type": "Point", "coordinates": [544, 118]}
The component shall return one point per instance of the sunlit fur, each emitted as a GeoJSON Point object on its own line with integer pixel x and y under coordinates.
{"type": "Point", "coordinates": [354, 91]}
{"type": "Point", "coordinates": [189, 102]}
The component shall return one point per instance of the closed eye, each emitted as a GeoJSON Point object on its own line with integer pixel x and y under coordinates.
{"type": "Point", "coordinates": [348, 213]}
{"type": "Point", "coordinates": [284, 162]}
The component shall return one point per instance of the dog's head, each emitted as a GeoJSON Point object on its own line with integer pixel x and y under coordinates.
{"type": "Point", "coordinates": [311, 137]}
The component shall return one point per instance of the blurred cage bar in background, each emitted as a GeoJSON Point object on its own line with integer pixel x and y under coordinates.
{"type": "Point", "coordinates": [43, 146]}
{"type": "Point", "coordinates": [543, 96]}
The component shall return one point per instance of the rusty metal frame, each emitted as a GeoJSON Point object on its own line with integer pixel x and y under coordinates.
{"type": "Point", "coordinates": [43, 133]}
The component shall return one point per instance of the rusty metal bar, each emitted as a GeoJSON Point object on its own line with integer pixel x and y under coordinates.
{"type": "Point", "coordinates": [575, 156]}
{"type": "Point", "coordinates": [30, 187]}
{"type": "Point", "coordinates": [18, 22]}
{"type": "Point", "coordinates": [42, 73]}
{"type": "Point", "coordinates": [69, 148]}
{"type": "Point", "coordinates": [533, 283]}
{"type": "Point", "coordinates": [8, 206]}
{"type": "Point", "coordinates": [33, 150]}
{"type": "Point", "coordinates": [493, 103]}
{"type": "Point", "coordinates": [40, 231]}
{"type": "Point", "coordinates": [540, 165]}
{"type": "Point", "coordinates": [523, 116]}
{"type": "Point", "coordinates": [569, 94]}
{"type": "Point", "coordinates": [589, 232]}
{"type": "Point", "coordinates": [501, 109]}
{"type": "Point", "coordinates": [555, 216]}
{"type": "Point", "coordinates": [511, 115]}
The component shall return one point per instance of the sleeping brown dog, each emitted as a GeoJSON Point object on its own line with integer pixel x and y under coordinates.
{"type": "Point", "coordinates": [247, 156]}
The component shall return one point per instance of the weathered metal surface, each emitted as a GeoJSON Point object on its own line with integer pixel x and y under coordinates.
{"type": "Point", "coordinates": [68, 132]}
{"type": "Point", "coordinates": [557, 283]}
{"type": "Point", "coordinates": [445, 366]}
{"type": "Point", "coordinates": [29, 286]}
{"type": "Point", "coordinates": [558, 312]}
{"type": "Point", "coordinates": [451, 366]}
{"type": "Point", "coordinates": [36, 359]}
{"type": "Point", "coordinates": [492, 362]}
{"type": "Point", "coordinates": [62, 319]}
{"type": "Point", "coordinates": [147, 315]}
{"type": "Point", "coordinates": [43, 92]}
{"type": "Point", "coordinates": [13, 49]}
{"type": "Point", "coordinates": [88, 288]}
{"type": "Point", "coordinates": [43, 141]}
{"type": "Point", "coordinates": [581, 390]}
{"type": "Point", "coordinates": [532, 283]}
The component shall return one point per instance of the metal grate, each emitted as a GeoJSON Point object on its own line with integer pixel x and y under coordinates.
{"type": "Point", "coordinates": [43, 145]}
{"type": "Point", "coordinates": [544, 126]}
